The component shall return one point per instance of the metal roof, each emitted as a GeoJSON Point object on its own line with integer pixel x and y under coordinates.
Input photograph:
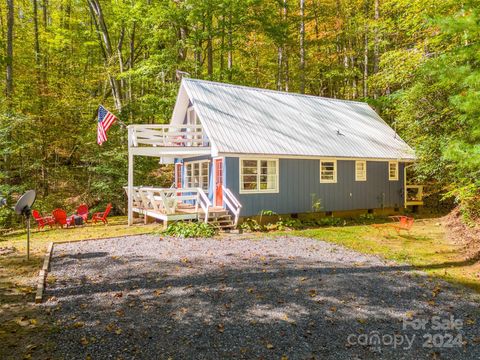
{"type": "Point", "coordinates": [245, 120]}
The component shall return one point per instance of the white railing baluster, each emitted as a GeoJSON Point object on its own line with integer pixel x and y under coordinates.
{"type": "Point", "coordinates": [168, 135]}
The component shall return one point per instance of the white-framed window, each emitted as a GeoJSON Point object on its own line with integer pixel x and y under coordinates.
{"type": "Point", "coordinates": [393, 170]}
{"type": "Point", "coordinates": [258, 176]}
{"type": "Point", "coordinates": [328, 171]}
{"type": "Point", "coordinates": [192, 118]}
{"type": "Point", "coordinates": [360, 170]}
{"type": "Point", "coordinates": [197, 174]}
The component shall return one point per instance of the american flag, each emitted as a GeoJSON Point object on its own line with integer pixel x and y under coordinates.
{"type": "Point", "coordinates": [105, 120]}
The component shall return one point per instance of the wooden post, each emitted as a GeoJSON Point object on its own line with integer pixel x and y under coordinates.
{"type": "Point", "coordinates": [130, 176]}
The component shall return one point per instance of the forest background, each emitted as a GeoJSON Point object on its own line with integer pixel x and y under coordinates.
{"type": "Point", "coordinates": [415, 61]}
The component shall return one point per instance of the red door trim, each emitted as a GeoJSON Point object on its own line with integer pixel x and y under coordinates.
{"type": "Point", "coordinates": [218, 182]}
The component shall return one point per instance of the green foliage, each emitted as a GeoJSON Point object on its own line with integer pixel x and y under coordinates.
{"type": "Point", "coordinates": [251, 225]}
{"type": "Point", "coordinates": [417, 63]}
{"type": "Point", "coordinates": [190, 230]}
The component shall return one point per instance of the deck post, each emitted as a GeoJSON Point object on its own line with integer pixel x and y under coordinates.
{"type": "Point", "coordinates": [130, 176]}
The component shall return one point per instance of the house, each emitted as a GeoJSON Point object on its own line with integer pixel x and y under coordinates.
{"type": "Point", "coordinates": [239, 150]}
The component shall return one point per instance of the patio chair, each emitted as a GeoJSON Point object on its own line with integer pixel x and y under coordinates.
{"type": "Point", "coordinates": [401, 222]}
{"type": "Point", "coordinates": [102, 216]}
{"type": "Point", "coordinates": [42, 220]}
{"type": "Point", "coordinates": [61, 218]}
{"type": "Point", "coordinates": [82, 211]}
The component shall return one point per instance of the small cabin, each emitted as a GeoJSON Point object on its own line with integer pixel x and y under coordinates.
{"type": "Point", "coordinates": [238, 151]}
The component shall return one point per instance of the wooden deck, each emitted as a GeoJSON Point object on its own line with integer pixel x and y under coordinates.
{"type": "Point", "coordinates": [183, 212]}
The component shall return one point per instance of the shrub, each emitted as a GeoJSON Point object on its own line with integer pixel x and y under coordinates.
{"type": "Point", "coordinates": [252, 225]}
{"type": "Point", "coordinates": [190, 230]}
{"type": "Point", "coordinates": [330, 221]}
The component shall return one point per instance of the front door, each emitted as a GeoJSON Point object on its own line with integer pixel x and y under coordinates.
{"type": "Point", "coordinates": [218, 182]}
{"type": "Point", "coordinates": [178, 175]}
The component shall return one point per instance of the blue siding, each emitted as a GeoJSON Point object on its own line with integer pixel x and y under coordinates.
{"type": "Point", "coordinates": [299, 180]}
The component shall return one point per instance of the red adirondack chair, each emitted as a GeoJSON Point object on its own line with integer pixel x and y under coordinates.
{"type": "Point", "coordinates": [102, 216]}
{"type": "Point", "coordinates": [62, 219]}
{"type": "Point", "coordinates": [82, 211]}
{"type": "Point", "coordinates": [42, 220]}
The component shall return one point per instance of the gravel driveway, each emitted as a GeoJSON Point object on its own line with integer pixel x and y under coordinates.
{"type": "Point", "coordinates": [144, 297]}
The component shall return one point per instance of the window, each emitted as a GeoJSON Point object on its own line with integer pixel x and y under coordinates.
{"type": "Point", "coordinates": [192, 118]}
{"type": "Point", "coordinates": [393, 170]}
{"type": "Point", "coordinates": [360, 170]}
{"type": "Point", "coordinates": [197, 174]}
{"type": "Point", "coordinates": [328, 171]}
{"type": "Point", "coordinates": [258, 175]}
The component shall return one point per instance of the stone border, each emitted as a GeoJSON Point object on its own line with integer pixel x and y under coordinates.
{"type": "Point", "coordinates": [42, 275]}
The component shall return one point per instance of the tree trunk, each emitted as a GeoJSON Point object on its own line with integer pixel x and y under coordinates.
{"type": "Point", "coordinates": [101, 26]}
{"type": "Point", "coordinates": [230, 47]}
{"type": "Point", "coordinates": [376, 44]}
{"type": "Point", "coordinates": [279, 67]}
{"type": "Point", "coordinates": [131, 60]}
{"type": "Point", "coordinates": [120, 56]}
{"type": "Point", "coordinates": [302, 46]}
{"type": "Point", "coordinates": [35, 31]}
{"type": "Point", "coordinates": [285, 49]}
{"type": "Point", "coordinates": [9, 59]}
{"type": "Point", "coordinates": [365, 56]}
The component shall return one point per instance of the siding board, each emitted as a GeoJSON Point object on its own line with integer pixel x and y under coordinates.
{"type": "Point", "coordinates": [300, 178]}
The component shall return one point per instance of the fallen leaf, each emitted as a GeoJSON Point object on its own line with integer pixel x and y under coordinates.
{"type": "Point", "coordinates": [84, 341]}
{"type": "Point", "coordinates": [270, 346]}
{"type": "Point", "coordinates": [221, 328]}
{"type": "Point", "coordinates": [78, 324]}
{"type": "Point", "coordinates": [118, 331]}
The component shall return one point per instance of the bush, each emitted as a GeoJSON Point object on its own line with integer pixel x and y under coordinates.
{"type": "Point", "coordinates": [330, 221]}
{"type": "Point", "coordinates": [190, 230]}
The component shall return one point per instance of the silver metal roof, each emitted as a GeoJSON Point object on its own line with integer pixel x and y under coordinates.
{"type": "Point", "coordinates": [245, 120]}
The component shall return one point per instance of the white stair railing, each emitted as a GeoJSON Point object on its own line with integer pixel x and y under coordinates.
{"type": "Point", "coordinates": [232, 204]}
{"type": "Point", "coordinates": [204, 202]}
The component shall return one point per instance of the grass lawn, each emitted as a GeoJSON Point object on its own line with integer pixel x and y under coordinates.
{"type": "Point", "coordinates": [21, 324]}
{"type": "Point", "coordinates": [426, 247]}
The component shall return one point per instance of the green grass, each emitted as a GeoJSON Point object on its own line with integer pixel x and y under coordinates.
{"type": "Point", "coordinates": [426, 248]}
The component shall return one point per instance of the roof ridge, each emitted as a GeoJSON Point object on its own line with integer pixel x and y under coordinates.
{"type": "Point", "coordinates": [274, 91]}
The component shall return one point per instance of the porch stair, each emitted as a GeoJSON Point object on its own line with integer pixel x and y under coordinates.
{"type": "Point", "coordinates": [219, 218]}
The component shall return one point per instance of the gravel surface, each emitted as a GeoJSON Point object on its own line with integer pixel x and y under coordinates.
{"type": "Point", "coordinates": [146, 297]}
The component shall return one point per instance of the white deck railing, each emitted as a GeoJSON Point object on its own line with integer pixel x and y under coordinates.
{"type": "Point", "coordinates": [232, 204]}
{"type": "Point", "coordinates": [167, 200]}
{"type": "Point", "coordinates": [413, 194]}
{"type": "Point", "coordinates": [168, 135]}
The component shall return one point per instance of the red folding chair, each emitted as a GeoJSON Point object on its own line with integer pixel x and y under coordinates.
{"type": "Point", "coordinates": [42, 220]}
{"type": "Point", "coordinates": [62, 219]}
{"type": "Point", "coordinates": [102, 216]}
{"type": "Point", "coordinates": [82, 211]}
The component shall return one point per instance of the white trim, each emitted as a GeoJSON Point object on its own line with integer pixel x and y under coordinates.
{"type": "Point", "coordinates": [258, 191]}
{"type": "Point", "coordinates": [307, 157]}
{"type": "Point", "coordinates": [394, 178]}
{"type": "Point", "coordinates": [334, 181]}
{"type": "Point", "coordinates": [364, 175]}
